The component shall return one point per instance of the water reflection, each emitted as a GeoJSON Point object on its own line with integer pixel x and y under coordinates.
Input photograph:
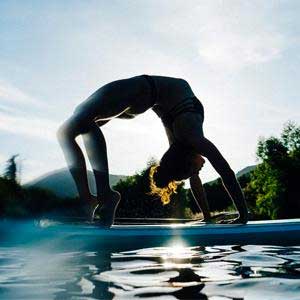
{"type": "Point", "coordinates": [174, 271]}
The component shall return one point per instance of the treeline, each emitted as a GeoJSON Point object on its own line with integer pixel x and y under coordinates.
{"type": "Point", "coordinates": [19, 202]}
{"type": "Point", "coordinates": [270, 189]}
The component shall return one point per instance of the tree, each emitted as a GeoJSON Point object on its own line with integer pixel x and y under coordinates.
{"type": "Point", "coordinates": [291, 137]}
{"type": "Point", "coordinates": [10, 172]}
{"type": "Point", "coordinates": [271, 150]}
{"type": "Point", "coordinates": [136, 201]}
{"type": "Point", "coordinates": [273, 187]}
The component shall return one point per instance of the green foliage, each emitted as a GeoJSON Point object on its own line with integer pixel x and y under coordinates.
{"type": "Point", "coordinates": [18, 202]}
{"type": "Point", "coordinates": [271, 150]}
{"type": "Point", "coordinates": [267, 190]}
{"type": "Point", "coordinates": [291, 137]}
{"type": "Point", "coordinates": [217, 196]}
{"type": "Point", "coordinates": [136, 202]}
{"type": "Point", "coordinates": [272, 191]}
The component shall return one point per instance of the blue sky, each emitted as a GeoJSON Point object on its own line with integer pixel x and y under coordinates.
{"type": "Point", "coordinates": [242, 59]}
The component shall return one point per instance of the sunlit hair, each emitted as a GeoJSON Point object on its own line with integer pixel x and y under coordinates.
{"type": "Point", "coordinates": [164, 193]}
{"type": "Point", "coordinates": [173, 168]}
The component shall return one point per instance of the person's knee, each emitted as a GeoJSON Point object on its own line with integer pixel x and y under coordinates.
{"type": "Point", "coordinates": [74, 126]}
{"type": "Point", "coordinates": [62, 132]}
{"type": "Point", "coordinates": [66, 130]}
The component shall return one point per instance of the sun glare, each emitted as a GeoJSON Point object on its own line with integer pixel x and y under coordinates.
{"type": "Point", "coordinates": [176, 249]}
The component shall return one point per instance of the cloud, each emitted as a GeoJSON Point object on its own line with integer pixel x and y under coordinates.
{"type": "Point", "coordinates": [6, 109]}
{"type": "Point", "coordinates": [29, 126]}
{"type": "Point", "coordinates": [14, 116]}
{"type": "Point", "coordinates": [12, 94]}
{"type": "Point", "coordinates": [45, 129]}
{"type": "Point", "coordinates": [224, 34]}
{"type": "Point", "coordinates": [3, 158]}
{"type": "Point", "coordinates": [237, 50]}
{"type": "Point", "coordinates": [235, 37]}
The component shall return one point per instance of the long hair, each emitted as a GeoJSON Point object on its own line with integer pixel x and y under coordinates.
{"type": "Point", "coordinates": [173, 168]}
{"type": "Point", "coordinates": [164, 192]}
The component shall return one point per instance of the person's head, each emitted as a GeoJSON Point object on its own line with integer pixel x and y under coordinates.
{"type": "Point", "coordinates": [177, 164]}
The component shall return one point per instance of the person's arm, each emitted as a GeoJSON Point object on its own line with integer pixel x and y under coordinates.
{"type": "Point", "coordinates": [199, 195]}
{"type": "Point", "coordinates": [229, 180]}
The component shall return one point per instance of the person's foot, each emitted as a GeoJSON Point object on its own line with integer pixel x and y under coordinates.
{"type": "Point", "coordinates": [90, 207]}
{"type": "Point", "coordinates": [208, 220]}
{"type": "Point", "coordinates": [108, 209]}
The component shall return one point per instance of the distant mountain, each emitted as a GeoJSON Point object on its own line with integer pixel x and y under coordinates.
{"type": "Point", "coordinates": [61, 183]}
{"type": "Point", "coordinates": [238, 174]}
{"type": "Point", "coordinates": [245, 171]}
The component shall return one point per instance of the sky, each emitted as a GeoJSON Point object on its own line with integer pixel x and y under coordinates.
{"type": "Point", "coordinates": [241, 58]}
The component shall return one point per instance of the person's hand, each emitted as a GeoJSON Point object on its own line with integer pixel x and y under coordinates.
{"type": "Point", "coordinates": [239, 220]}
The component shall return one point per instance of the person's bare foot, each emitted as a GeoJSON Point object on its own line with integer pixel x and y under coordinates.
{"type": "Point", "coordinates": [90, 207]}
{"type": "Point", "coordinates": [208, 220]}
{"type": "Point", "coordinates": [108, 209]}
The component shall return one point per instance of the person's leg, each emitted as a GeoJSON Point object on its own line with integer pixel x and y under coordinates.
{"type": "Point", "coordinates": [96, 151]}
{"type": "Point", "coordinates": [110, 101]}
{"type": "Point", "coordinates": [95, 146]}
{"type": "Point", "coordinates": [66, 135]}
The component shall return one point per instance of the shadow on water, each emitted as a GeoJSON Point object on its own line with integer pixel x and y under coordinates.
{"type": "Point", "coordinates": [36, 264]}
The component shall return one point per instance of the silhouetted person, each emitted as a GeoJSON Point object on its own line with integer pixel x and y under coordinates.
{"type": "Point", "coordinates": [182, 114]}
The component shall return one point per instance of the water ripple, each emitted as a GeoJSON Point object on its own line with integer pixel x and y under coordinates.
{"type": "Point", "coordinates": [174, 271]}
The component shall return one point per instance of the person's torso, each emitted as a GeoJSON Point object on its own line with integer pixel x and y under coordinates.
{"type": "Point", "coordinates": [169, 91]}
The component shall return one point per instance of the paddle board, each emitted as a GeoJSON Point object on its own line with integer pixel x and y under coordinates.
{"type": "Point", "coordinates": [277, 232]}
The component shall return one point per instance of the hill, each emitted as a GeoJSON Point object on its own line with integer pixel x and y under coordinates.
{"type": "Point", "coordinates": [245, 171]}
{"type": "Point", "coordinates": [240, 173]}
{"type": "Point", "coordinates": [61, 183]}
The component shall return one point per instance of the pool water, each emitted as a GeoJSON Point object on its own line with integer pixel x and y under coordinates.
{"type": "Point", "coordinates": [78, 267]}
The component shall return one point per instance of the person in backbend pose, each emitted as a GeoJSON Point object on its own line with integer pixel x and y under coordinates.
{"type": "Point", "coordinates": [182, 114]}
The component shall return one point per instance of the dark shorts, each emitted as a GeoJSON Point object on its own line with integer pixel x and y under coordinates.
{"type": "Point", "coordinates": [191, 104]}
